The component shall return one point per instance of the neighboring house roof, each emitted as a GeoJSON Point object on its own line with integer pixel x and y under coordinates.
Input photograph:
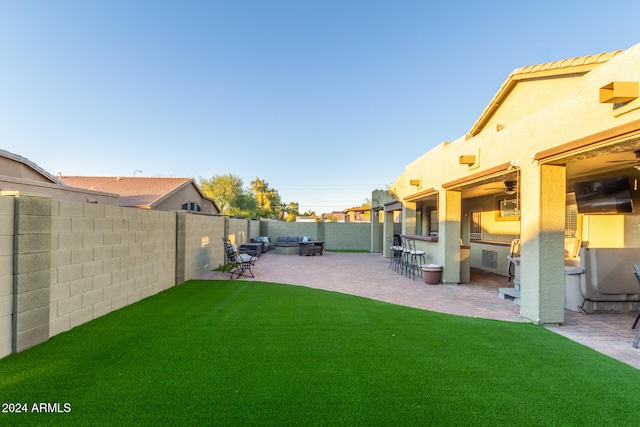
{"type": "Point", "coordinates": [139, 192]}
{"type": "Point", "coordinates": [360, 209]}
{"type": "Point", "coordinates": [566, 67]}
{"type": "Point", "coordinates": [29, 164]}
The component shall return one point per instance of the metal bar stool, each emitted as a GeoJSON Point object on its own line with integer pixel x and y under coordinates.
{"type": "Point", "coordinates": [395, 252]}
{"type": "Point", "coordinates": [406, 257]}
{"type": "Point", "coordinates": [416, 259]}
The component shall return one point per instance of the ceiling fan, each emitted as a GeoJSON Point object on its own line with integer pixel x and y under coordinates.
{"type": "Point", "coordinates": [510, 187]}
{"type": "Point", "coordinates": [635, 162]}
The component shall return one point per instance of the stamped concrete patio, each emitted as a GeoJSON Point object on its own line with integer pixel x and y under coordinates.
{"type": "Point", "coordinates": [368, 275]}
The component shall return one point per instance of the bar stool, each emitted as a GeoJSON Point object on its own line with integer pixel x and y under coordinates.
{"type": "Point", "coordinates": [395, 254]}
{"type": "Point", "coordinates": [416, 259]}
{"type": "Point", "coordinates": [406, 257]}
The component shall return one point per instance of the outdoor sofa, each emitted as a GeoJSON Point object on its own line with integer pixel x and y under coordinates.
{"type": "Point", "coordinates": [288, 245]}
{"type": "Point", "coordinates": [266, 243]}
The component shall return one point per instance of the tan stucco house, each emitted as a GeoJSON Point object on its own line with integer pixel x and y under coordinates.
{"type": "Point", "coordinates": [553, 162]}
{"type": "Point", "coordinates": [165, 194]}
{"type": "Point", "coordinates": [19, 174]}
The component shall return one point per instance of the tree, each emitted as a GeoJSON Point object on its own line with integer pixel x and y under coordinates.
{"type": "Point", "coordinates": [267, 199]}
{"type": "Point", "coordinates": [292, 210]}
{"type": "Point", "coordinates": [227, 191]}
{"type": "Point", "coordinates": [257, 201]}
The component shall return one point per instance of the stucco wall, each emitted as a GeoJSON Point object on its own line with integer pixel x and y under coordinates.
{"type": "Point", "coordinates": [186, 194]}
{"type": "Point", "coordinates": [574, 118]}
{"type": "Point", "coordinates": [530, 96]}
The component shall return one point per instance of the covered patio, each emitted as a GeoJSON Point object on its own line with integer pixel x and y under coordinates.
{"type": "Point", "coordinates": [368, 275]}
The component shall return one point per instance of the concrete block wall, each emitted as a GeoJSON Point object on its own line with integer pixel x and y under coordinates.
{"type": "Point", "coordinates": [347, 236]}
{"type": "Point", "coordinates": [203, 244]}
{"type": "Point", "coordinates": [106, 257]}
{"type": "Point", "coordinates": [31, 262]}
{"type": "Point", "coordinates": [279, 228]}
{"type": "Point", "coordinates": [6, 274]}
{"type": "Point", "coordinates": [254, 229]}
{"type": "Point", "coordinates": [337, 235]}
{"type": "Point", "coordinates": [238, 231]}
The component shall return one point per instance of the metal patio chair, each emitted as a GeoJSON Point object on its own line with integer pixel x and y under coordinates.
{"type": "Point", "coordinates": [239, 264]}
{"type": "Point", "coordinates": [636, 272]}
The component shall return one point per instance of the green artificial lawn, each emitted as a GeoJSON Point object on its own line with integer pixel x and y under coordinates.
{"type": "Point", "coordinates": [253, 353]}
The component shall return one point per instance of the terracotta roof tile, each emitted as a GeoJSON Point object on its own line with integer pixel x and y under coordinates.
{"type": "Point", "coordinates": [570, 62]}
{"type": "Point", "coordinates": [133, 191]}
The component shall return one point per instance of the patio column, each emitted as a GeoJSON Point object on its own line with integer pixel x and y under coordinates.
{"type": "Point", "coordinates": [387, 231]}
{"type": "Point", "coordinates": [377, 242]}
{"type": "Point", "coordinates": [449, 215]}
{"type": "Point", "coordinates": [542, 249]}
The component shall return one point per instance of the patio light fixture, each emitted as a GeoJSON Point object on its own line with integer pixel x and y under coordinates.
{"type": "Point", "coordinates": [467, 160]}
{"type": "Point", "coordinates": [618, 92]}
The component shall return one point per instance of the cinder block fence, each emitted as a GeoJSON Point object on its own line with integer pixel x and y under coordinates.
{"type": "Point", "coordinates": [65, 263]}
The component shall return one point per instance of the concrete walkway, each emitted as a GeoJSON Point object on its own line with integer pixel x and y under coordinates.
{"type": "Point", "coordinates": [368, 275]}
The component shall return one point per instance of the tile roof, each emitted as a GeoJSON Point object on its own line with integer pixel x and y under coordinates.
{"type": "Point", "coordinates": [578, 61]}
{"type": "Point", "coordinates": [577, 65]}
{"type": "Point", "coordinates": [133, 191]}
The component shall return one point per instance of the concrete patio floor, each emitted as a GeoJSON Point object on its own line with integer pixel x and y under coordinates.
{"type": "Point", "coordinates": [368, 275]}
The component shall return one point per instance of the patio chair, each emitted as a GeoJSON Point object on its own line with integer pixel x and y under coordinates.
{"type": "Point", "coordinates": [239, 264]}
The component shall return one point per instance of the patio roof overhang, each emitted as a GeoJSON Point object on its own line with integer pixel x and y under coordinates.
{"type": "Point", "coordinates": [476, 184]}
{"type": "Point", "coordinates": [421, 195]}
{"type": "Point", "coordinates": [393, 206]}
{"type": "Point", "coordinates": [621, 138]}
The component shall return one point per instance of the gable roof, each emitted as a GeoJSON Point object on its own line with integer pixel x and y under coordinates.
{"type": "Point", "coordinates": [139, 192]}
{"type": "Point", "coordinates": [29, 164]}
{"type": "Point", "coordinates": [566, 67]}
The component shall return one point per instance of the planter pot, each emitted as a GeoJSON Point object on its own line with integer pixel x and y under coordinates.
{"type": "Point", "coordinates": [431, 273]}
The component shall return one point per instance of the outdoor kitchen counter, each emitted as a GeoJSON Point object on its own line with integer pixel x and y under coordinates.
{"type": "Point", "coordinates": [424, 243]}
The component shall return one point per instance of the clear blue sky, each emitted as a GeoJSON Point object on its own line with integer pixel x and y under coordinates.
{"type": "Point", "coordinates": [324, 100]}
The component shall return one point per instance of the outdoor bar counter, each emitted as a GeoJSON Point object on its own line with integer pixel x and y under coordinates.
{"type": "Point", "coordinates": [424, 243]}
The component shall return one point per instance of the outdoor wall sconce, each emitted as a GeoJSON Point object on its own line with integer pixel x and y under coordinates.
{"type": "Point", "coordinates": [467, 160]}
{"type": "Point", "coordinates": [618, 92]}
{"type": "Point", "coordinates": [415, 182]}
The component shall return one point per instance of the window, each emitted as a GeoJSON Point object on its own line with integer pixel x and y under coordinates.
{"type": "Point", "coordinates": [508, 210]}
{"type": "Point", "coordinates": [475, 226]}
{"type": "Point", "coordinates": [434, 226]}
{"type": "Point", "coordinates": [571, 217]}
{"type": "Point", "coordinates": [191, 207]}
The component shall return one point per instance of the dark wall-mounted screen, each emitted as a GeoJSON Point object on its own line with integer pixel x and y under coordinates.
{"type": "Point", "coordinates": [604, 196]}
